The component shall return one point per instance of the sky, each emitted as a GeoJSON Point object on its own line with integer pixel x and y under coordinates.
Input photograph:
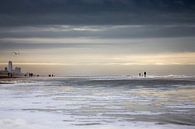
{"type": "Point", "coordinates": [99, 37]}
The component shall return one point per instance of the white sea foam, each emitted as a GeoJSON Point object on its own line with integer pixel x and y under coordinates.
{"type": "Point", "coordinates": [23, 124]}
{"type": "Point", "coordinates": [77, 103]}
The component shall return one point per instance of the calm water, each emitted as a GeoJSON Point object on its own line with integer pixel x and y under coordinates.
{"type": "Point", "coordinates": [98, 103]}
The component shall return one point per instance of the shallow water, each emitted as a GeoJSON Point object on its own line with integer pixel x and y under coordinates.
{"type": "Point", "coordinates": [98, 102]}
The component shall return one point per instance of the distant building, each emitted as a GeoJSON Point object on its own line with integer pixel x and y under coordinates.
{"type": "Point", "coordinates": [17, 70]}
{"type": "Point", "coordinates": [10, 72]}
{"type": "Point", "coordinates": [10, 67]}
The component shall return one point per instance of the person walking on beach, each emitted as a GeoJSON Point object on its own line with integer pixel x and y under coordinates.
{"type": "Point", "coordinates": [144, 74]}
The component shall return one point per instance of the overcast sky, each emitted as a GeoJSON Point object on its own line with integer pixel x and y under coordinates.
{"type": "Point", "coordinates": [69, 37]}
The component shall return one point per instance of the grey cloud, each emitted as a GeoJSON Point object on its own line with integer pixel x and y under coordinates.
{"type": "Point", "coordinates": [100, 19]}
{"type": "Point", "coordinates": [92, 6]}
{"type": "Point", "coordinates": [138, 46]}
{"type": "Point", "coordinates": [121, 31]}
{"type": "Point", "coordinates": [95, 12]}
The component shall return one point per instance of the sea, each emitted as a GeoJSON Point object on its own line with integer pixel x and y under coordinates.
{"type": "Point", "coordinates": [98, 102]}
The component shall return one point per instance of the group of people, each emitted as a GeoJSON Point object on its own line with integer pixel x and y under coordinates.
{"type": "Point", "coordinates": [51, 75]}
{"type": "Point", "coordinates": [143, 75]}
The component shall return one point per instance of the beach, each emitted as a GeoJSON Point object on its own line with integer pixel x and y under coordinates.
{"type": "Point", "coordinates": [97, 103]}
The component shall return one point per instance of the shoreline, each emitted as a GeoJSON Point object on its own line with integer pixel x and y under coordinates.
{"type": "Point", "coordinates": [7, 80]}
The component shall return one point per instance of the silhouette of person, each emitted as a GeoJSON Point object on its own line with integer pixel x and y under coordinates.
{"type": "Point", "coordinates": [144, 74]}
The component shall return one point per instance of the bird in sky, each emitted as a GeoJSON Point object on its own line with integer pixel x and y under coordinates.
{"type": "Point", "coordinates": [16, 53]}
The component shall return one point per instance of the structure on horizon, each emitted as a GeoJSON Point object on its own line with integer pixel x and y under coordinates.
{"type": "Point", "coordinates": [10, 67]}
{"type": "Point", "coordinates": [10, 72]}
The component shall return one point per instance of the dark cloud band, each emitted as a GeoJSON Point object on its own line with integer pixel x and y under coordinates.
{"type": "Point", "coordinates": [96, 12]}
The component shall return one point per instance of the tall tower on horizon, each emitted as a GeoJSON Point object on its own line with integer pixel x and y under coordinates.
{"type": "Point", "coordinates": [10, 67]}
